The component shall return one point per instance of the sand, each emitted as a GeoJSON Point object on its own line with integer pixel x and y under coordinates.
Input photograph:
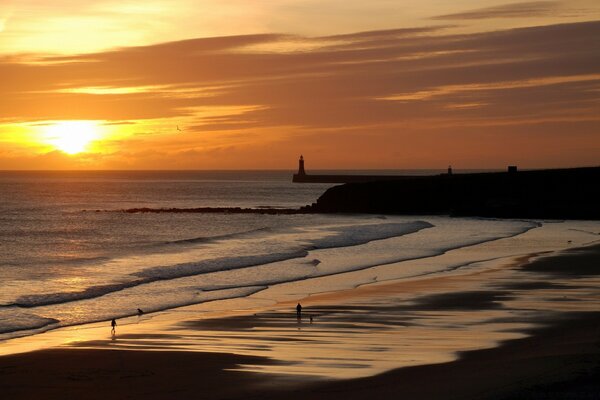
{"type": "Point", "coordinates": [528, 330]}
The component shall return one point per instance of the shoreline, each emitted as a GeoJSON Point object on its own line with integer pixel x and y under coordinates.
{"type": "Point", "coordinates": [110, 368]}
{"type": "Point", "coordinates": [314, 261]}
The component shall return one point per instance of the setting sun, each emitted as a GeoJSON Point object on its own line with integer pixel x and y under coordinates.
{"type": "Point", "coordinates": [72, 137]}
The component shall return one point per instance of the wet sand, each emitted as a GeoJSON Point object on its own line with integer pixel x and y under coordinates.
{"type": "Point", "coordinates": [556, 363]}
{"type": "Point", "coordinates": [544, 312]}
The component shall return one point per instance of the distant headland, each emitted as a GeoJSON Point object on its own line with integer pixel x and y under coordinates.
{"type": "Point", "coordinates": [572, 193]}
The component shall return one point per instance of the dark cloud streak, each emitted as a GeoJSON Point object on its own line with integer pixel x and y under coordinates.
{"type": "Point", "coordinates": [530, 9]}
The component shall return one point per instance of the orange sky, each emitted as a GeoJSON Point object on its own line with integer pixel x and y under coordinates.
{"type": "Point", "coordinates": [184, 84]}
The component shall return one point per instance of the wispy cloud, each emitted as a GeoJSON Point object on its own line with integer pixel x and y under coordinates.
{"type": "Point", "coordinates": [529, 9]}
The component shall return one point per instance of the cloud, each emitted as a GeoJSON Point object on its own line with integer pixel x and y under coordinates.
{"type": "Point", "coordinates": [381, 86]}
{"type": "Point", "coordinates": [530, 9]}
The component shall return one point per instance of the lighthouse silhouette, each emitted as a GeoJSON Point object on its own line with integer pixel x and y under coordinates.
{"type": "Point", "coordinates": [301, 166]}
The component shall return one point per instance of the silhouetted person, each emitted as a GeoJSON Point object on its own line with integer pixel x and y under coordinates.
{"type": "Point", "coordinates": [299, 311]}
{"type": "Point", "coordinates": [113, 324]}
{"type": "Point", "coordinates": [310, 319]}
{"type": "Point", "coordinates": [140, 311]}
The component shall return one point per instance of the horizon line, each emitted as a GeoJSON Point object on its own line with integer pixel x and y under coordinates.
{"type": "Point", "coordinates": [293, 169]}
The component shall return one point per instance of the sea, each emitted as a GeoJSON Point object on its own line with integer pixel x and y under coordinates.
{"type": "Point", "coordinates": [70, 255]}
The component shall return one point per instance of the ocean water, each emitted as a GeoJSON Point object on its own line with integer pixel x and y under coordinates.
{"type": "Point", "coordinates": [69, 255]}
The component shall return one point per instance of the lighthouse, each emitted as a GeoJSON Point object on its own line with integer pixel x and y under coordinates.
{"type": "Point", "coordinates": [301, 166]}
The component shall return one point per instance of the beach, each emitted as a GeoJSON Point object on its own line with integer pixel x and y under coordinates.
{"type": "Point", "coordinates": [524, 329]}
{"type": "Point", "coordinates": [299, 200]}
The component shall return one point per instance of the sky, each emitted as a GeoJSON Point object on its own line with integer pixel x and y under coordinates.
{"type": "Point", "coordinates": [379, 84]}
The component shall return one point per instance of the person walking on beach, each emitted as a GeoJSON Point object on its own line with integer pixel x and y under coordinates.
{"type": "Point", "coordinates": [299, 311]}
{"type": "Point", "coordinates": [113, 324]}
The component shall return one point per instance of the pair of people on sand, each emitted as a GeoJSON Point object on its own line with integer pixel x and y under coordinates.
{"type": "Point", "coordinates": [299, 313]}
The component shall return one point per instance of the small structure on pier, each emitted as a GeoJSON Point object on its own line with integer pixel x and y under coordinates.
{"type": "Point", "coordinates": [301, 170]}
{"type": "Point", "coordinates": [303, 177]}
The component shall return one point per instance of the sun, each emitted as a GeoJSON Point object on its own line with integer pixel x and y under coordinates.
{"type": "Point", "coordinates": [72, 137]}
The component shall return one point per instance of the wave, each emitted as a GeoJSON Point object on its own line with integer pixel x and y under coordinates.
{"type": "Point", "coordinates": [153, 275]}
{"type": "Point", "coordinates": [434, 253]}
{"type": "Point", "coordinates": [209, 239]}
{"type": "Point", "coordinates": [585, 231]}
{"type": "Point", "coordinates": [362, 234]}
{"type": "Point", "coordinates": [342, 236]}
{"type": "Point", "coordinates": [221, 292]}
{"type": "Point", "coordinates": [444, 250]}
{"type": "Point", "coordinates": [20, 321]}
{"type": "Point", "coordinates": [35, 324]}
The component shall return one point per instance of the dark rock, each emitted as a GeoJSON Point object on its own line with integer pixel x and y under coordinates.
{"type": "Point", "coordinates": [556, 194]}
